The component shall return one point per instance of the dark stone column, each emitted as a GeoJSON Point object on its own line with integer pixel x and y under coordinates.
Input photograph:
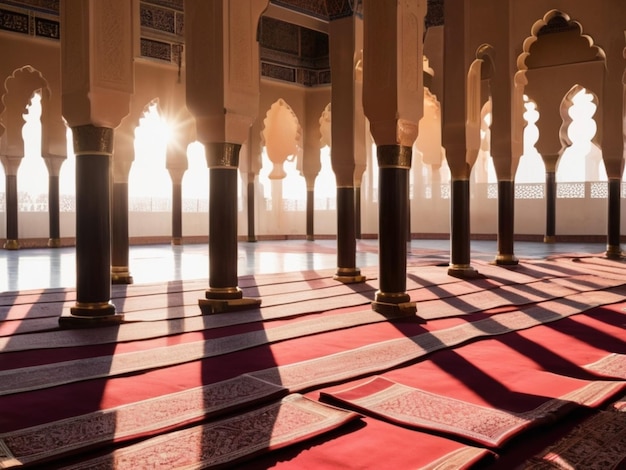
{"type": "Point", "coordinates": [460, 251]}
{"type": "Point", "coordinates": [550, 236]}
{"type": "Point", "coordinates": [251, 209]}
{"type": "Point", "coordinates": [93, 147]}
{"type": "Point", "coordinates": [347, 272]}
{"type": "Point", "coordinates": [394, 163]}
{"type": "Point", "coordinates": [177, 213]}
{"type": "Point", "coordinates": [357, 212]}
{"type": "Point", "coordinates": [54, 212]}
{"type": "Point", "coordinates": [120, 270]}
{"type": "Point", "coordinates": [223, 293]}
{"type": "Point", "coordinates": [506, 224]}
{"type": "Point", "coordinates": [310, 214]}
{"type": "Point", "coordinates": [11, 214]}
{"type": "Point", "coordinates": [613, 247]}
{"type": "Point", "coordinates": [408, 220]}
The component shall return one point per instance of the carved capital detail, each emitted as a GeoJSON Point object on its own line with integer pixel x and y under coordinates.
{"type": "Point", "coordinates": [222, 155]}
{"type": "Point", "coordinates": [394, 156]}
{"type": "Point", "coordinates": [92, 140]}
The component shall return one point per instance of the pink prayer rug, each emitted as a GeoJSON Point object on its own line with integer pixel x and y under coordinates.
{"type": "Point", "coordinates": [37, 444]}
{"type": "Point", "coordinates": [231, 440]}
{"type": "Point", "coordinates": [421, 409]}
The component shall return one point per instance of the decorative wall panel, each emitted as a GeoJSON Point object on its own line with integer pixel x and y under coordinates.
{"type": "Point", "coordinates": [162, 29]}
{"type": "Point", "coordinates": [434, 14]}
{"type": "Point", "coordinates": [47, 28]}
{"type": "Point", "coordinates": [159, 19]}
{"type": "Point", "coordinates": [294, 54]}
{"type": "Point", "coordinates": [34, 18]}
{"type": "Point", "coordinates": [14, 21]}
{"type": "Point", "coordinates": [156, 49]}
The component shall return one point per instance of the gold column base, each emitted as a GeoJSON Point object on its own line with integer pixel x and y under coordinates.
{"type": "Point", "coordinates": [613, 252]}
{"type": "Point", "coordinates": [121, 275]}
{"type": "Point", "coordinates": [506, 260]}
{"type": "Point", "coordinates": [210, 306]}
{"type": "Point", "coordinates": [226, 299]}
{"type": "Point", "coordinates": [223, 293]}
{"type": "Point", "coordinates": [252, 239]}
{"type": "Point", "coordinates": [11, 245]}
{"type": "Point", "coordinates": [310, 238]}
{"type": "Point", "coordinates": [91, 315]}
{"type": "Point", "coordinates": [394, 304]}
{"type": "Point", "coordinates": [463, 271]}
{"type": "Point", "coordinates": [177, 241]}
{"type": "Point", "coordinates": [403, 309]}
{"type": "Point", "coordinates": [54, 243]}
{"type": "Point", "coordinates": [349, 276]}
{"type": "Point", "coordinates": [549, 238]}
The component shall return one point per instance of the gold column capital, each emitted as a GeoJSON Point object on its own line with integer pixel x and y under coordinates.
{"type": "Point", "coordinates": [91, 140]}
{"type": "Point", "coordinates": [222, 155]}
{"type": "Point", "coordinates": [394, 156]}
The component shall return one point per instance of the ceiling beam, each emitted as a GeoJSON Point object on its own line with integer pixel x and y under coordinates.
{"type": "Point", "coordinates": [294, 17]}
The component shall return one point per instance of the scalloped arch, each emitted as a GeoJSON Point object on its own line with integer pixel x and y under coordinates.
{"type": "Point", "coordinates": [19, 88]}
{"type": "Point", "coordinates": [550, 18]}
{"type": "Point", "coordinates": [325, 122]}
{"type": "Point", "coordinates": [145, 111]}
{"type": "Point", "coordinates": [564, 111]}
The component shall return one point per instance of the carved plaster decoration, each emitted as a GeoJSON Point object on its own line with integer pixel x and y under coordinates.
{"type": "Point", "coordinates": [325, 126]}
{"type": "Point", "coordinates": [97, 66]}
{"type": "Point", "coordinates": [392, 69]}
{"type": "Point", "coordinates": [222, 93]}
{"type": "Point", "coordinates": [282, 137]}
{"type": "Point", "coordinates": [429, 139]}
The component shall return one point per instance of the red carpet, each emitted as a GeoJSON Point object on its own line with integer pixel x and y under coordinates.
{"type": "Point", "coordinates": [536, 347]}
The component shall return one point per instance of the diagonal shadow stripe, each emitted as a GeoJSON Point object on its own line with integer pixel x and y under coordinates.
{"type": "Point", "coordinates": [348, 364]}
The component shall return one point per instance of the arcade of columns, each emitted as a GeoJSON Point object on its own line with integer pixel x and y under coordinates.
{"type": "Point", "coordinates": [495, 52]}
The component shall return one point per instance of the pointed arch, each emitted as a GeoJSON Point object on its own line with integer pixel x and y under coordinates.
{"type": "Point", "coordinates": [577, 113]}
{"type": "Point", "coordinates": [325, 182]}
{"type": "Point", "coordinates": [531, 169]}
{"type": "Point", "coordinates": [149, 180]}
{"type": "Point", "coordinates": [482, 68]}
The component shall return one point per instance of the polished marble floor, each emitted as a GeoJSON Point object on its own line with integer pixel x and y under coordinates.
{"type": "Point", "coordinates": [56, 268]}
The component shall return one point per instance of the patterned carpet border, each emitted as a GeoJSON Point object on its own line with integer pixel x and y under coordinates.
{"type": "Point", "coordinates": [147, 417]}
{"type": "Point", "coordinates": [613, 365]}
{"type": "Point", "coordinates": [292, 420]}
{"type": "Point", "coordinates": [460, 459]}
{"type": "Point", "coordinates": [491, 427]}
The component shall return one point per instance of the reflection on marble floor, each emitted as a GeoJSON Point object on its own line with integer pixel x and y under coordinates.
{"type": "Point", "coordinates": [56, 267]}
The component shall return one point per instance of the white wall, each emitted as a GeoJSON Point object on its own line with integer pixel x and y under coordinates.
{"type": "Point", "coordinates": [574, 216]}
